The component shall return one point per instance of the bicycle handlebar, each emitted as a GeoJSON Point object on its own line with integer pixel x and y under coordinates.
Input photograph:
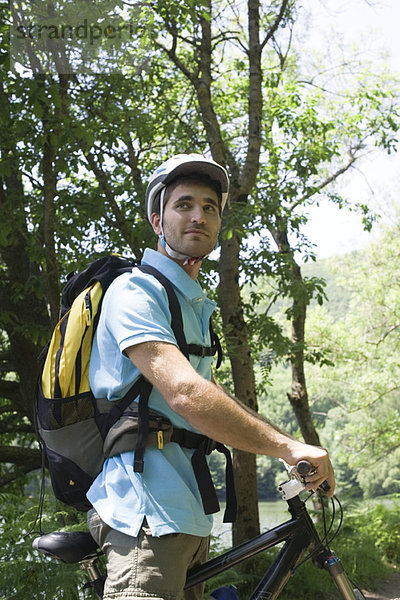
{"type": "Point", "coordinates": [304, 467]}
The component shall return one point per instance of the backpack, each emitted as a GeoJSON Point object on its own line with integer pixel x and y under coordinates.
{"type": "Point", "coordinates": [77, 431]}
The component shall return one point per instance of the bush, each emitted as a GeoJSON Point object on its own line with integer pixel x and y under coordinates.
{"type": "Point", "coordinates": [379, 521]}
{"type": "Point", "coordinates": [25, 573]}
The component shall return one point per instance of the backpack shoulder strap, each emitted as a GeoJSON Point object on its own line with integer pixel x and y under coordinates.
{"type": "Point", "coordinates": [216, 345]}
{"type": "Point", "coordinates": [177, 322]}
{"type": "Point", "coordinates": [174, 306]}
{"type": "Point", "coordinates": [146, 387]}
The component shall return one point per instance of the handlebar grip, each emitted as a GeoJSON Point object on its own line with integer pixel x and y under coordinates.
{"type": "Point", "coordinates": [304, 467]}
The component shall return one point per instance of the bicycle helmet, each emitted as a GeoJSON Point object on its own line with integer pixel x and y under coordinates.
{"type": "Point", "coordinates": [177, 165]}
{"type": "Point", "coordinates": [182, 164]}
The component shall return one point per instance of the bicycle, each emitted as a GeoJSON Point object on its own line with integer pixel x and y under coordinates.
{"type": "Point", "coordinates": [299, 534]}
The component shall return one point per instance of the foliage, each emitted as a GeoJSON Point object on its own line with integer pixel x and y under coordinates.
{"type": "Point", "coordinates": [361, 393]}
{"type": "Point", "coordinates": [25, 573]}
{"type": "Point", "coordinates": [355, 401]}
{"type": "Point", "coordinates": [379, 519]}
{"type": "Point", "coordinates": [268, 470]}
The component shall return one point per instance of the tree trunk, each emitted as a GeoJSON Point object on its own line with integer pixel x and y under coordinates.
{"type": "Point", "coordinates": [49, 210]}
{"type": "Point", "coordinates": [25, 315]}
{"type": "Point", "coordinates": [53, 121]}
{"type": "Point", "coordinates": [298, 397]}
{"type": "Point", "coordinates": [17, 298]}
{"type": "Point", "coordinates": [235, 332]}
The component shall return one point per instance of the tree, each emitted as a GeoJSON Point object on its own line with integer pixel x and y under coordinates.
{"type": "Point", "coordinates": [70, 158]}
{"type": "Point", "coordinates": [364, 383]}
{"type": "Point", "coordinates": [217, 79]}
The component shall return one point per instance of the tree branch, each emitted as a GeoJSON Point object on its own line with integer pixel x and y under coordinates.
{"type": "Point", "coordinates": [273, 29]}
{"type": "Point", "coordinates": [120, 221]}
{"type": "Point", "coordinates": [328, 180]}
{"type": "Point", "coordinates": [9, 390]}
{"type": "Point", "coordinates": [28, 458]}
{"type": "Point", "coordinates": [255, 104]}
{"type": "Point", "coordinates": [172, 52]}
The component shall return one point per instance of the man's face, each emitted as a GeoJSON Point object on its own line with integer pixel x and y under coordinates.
{"type": "Point", "coordinates": [191, 220]}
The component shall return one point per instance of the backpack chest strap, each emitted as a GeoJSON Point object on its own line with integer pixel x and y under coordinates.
{"type": "Point", "coordinates": [201, 351]}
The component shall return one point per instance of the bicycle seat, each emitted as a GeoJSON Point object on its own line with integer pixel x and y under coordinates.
{"type": "Point", "coordinates": [68, 546]}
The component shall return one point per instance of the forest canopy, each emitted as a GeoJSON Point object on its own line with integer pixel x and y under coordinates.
{"type": "Point", "coordinates": [227, 79]}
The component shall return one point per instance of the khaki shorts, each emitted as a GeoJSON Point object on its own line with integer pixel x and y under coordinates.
{"type": "Point", "coordinates": [147, 566]}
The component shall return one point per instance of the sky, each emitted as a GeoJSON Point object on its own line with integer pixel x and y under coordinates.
{"type": "Point", "coordinates": [374, 26]}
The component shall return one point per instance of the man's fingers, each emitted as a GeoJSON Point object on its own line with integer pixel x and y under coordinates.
{"type": "Point", "coordinates": [313, 482]}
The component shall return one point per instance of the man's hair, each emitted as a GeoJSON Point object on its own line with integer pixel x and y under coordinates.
{"type": "Point", "coordinates": [191, 178]}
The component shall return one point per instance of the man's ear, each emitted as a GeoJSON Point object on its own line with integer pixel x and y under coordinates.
{"type": "Point", "coordinates": [156, 223]}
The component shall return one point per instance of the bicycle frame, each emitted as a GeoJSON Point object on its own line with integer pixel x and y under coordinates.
{"type": "Point", "coordinates": [300, 537]}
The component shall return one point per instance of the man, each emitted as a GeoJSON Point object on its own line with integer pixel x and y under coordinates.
{"type": "Point", "coordinates": [152, 525]}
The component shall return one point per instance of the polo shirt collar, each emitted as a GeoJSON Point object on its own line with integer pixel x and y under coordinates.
{"type": "Point", "coordinates": [174, 272]}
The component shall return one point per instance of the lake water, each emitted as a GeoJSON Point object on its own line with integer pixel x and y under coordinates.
{"type": "Point", "coordinates": [271, 514]}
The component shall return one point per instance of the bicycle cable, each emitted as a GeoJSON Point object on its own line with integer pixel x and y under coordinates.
{"type": "Point", "coordinates": [339, 527]}
{"type": "Point", "coordinates": [324, 542]}
{"type": "Point", "coordinates": [329, 529]}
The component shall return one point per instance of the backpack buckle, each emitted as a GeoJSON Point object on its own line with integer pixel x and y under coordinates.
{"type": "Point", "coordinates": [160, 439]}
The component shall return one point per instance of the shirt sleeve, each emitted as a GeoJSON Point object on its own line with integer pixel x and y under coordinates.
{"type": "Point", "coordinates": [137, 310]}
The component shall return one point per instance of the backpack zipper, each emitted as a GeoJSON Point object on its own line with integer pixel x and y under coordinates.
{"type": "Point", "coordinates": [88, 309]}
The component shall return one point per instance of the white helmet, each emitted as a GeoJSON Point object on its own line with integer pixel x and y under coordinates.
{"type": "Point", "coordinates": [182, 164]}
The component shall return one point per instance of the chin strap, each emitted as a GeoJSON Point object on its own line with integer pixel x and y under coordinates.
{"type": "Point", "coordinates": [188, 260]}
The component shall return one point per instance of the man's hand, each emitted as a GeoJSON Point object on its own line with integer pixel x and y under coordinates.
{"type": "Point", "coordinates": [322, 467]}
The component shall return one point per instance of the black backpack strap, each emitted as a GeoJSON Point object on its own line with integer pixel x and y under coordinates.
{"type": "Point", "coordinates": [202, 351]}
{"type": "Point", "coordinates": [231, 502]}
{"type": "Point", "coordinates": [146, 386]}
{"type": "Point", "coordinates": [203, 477]}
{"type": "Point", "coordinates": [216, 345]}
{"type": "Point", "coordinates": [143, 425]}
{"type": "Point", "coordinates": [141, 388]}
{"type": "Point", "coordinates": [174, 306]}
{"type": "Point", "coordinates": [106, 421]}
{"type": "Point", "coordinates": [204, 446]}
{"type": "Point", "coordinates": [205, 483]}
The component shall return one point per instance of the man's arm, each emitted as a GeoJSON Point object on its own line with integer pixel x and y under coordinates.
{"type": "Point", "coordinates": [206, 407]}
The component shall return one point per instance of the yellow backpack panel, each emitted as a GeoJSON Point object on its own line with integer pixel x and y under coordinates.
{"type": "Point", "coordinates": [66, 369]}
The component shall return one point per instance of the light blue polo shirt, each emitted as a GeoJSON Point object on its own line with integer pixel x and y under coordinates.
{"type": "Point", "coordinates": [135, 310]}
